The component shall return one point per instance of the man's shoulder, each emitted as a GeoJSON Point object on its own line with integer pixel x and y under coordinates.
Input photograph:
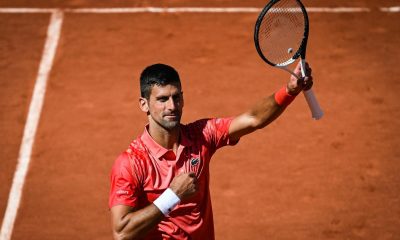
{"type": "Point", "coordinates": [137, 150]}
{"type": "Point", "coordinates": [195, 128]}
{"type": "Point", "coordinates": [135, 153]}
{"type": "Point", "coordinates": [202, 124]}
{"type": "Point", "coordinates": [196, 125]}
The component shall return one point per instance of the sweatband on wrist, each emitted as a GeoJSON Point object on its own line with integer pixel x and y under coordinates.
{"type": "Point", "coordinates": [282, 98]}
{"type": "Point", "coordinates": [167, 201]}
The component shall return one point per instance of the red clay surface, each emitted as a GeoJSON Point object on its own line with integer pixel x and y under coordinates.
{"type": "Point", "coordinates": [337, 178]}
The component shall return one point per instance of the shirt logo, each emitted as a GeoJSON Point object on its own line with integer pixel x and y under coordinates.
{"type": "Point", "coordinates": [194, 161]}
{"type": "Point", "coordinates": [122, 192]}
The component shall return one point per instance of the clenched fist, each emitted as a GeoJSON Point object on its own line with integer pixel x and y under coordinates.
{"type": "Point", "coordinates": [184, 185]}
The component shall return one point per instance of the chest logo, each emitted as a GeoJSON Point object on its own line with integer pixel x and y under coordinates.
{"type": "Point", "coordinates": [194, 161]}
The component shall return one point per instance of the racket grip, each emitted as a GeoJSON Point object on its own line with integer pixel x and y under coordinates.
{"type": "Point", "coordinates": [316, 111]}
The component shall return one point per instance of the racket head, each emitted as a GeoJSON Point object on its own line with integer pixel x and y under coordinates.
{"type": "Point", "coordinates": [281, 32]}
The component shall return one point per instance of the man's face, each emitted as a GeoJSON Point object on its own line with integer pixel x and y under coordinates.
{"type": "Point", "coordinates": [164, 106]}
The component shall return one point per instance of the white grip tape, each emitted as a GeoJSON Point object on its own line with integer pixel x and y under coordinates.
{"type": "Point", "coordinates": [316, 110]}
{"type": "Point", "coordinates": [167, 201]}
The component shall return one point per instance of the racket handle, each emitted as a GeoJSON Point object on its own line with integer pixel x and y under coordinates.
{"type": "Point", "coordinates": [316, 111]}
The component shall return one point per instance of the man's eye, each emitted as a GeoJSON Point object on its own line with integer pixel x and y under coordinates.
{"type": "Point", "coordinates": [162, 99]}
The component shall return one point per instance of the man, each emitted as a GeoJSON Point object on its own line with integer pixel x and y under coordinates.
{"type": "Point", "coordinates": [160, 185]}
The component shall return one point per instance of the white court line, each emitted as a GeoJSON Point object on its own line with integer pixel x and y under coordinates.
{"type": "Point", "coordinates": [165, 10]}
{"type": "Point", "coordinates": [202, 10]}
{"type": "Point", "coordinates": [337, 9]}
{"type": "Point", "coordinates": [391, 9]}
{"type": "Point", "coordinates": [180, 10]}
{"type": "Point", "coordinates": [35, 108]}
{"type": "Point", "coordinates": [27, 10]}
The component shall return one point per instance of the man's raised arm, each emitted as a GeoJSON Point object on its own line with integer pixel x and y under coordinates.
{"type": "Point", "coordinates": [269, 108]}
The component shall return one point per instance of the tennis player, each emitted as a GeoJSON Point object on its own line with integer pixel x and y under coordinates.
{"type": "Point", "coordinates": [160, 184]}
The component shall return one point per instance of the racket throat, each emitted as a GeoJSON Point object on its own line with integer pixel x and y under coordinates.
{"type": "Point", "coordinates": [303, 67]}
{"type": "Point", "coordinates": [288, 70]}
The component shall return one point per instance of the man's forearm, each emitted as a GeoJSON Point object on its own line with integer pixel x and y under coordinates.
{"type": "Point", "coordinates": [266, 111]}
{"type": "Point", "coordinates": [259, 116]}
{"type": "Point", "coordinates": [137, 224]}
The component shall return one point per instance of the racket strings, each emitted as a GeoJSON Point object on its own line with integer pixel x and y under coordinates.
{"type": "Point", "coordinates": [281, 31]}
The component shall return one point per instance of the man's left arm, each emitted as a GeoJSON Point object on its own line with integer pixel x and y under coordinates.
{"type": "Point", "coordinates": [269, 108]}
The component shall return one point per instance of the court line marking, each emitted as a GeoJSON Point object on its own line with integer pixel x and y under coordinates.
{"type": "Point", "coordinates": [165, 10]}
{"type": "Point", "coordinates": [391, 9]}
{"type": "Point", "coordinates": [35, 108]}
{"type": "Point", "coordinates": [190, 10]}
{"type": "Point", "coordinates": [27, 10]}
{"type": "Point", "coordinates": [201, 10]}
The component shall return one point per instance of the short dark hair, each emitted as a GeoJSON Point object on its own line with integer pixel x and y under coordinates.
{"type": "Point", "coordinates": [157, 74]}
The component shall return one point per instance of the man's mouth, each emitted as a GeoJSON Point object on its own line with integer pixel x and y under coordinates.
{"type": "Point", "coordinates": [171, 116]}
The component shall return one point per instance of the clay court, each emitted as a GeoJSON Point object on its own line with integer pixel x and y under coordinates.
{"type": "Point", "coordinates": [336, 178]}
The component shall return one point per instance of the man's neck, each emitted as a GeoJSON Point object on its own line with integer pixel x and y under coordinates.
{"type": "Point", "coordinates": [167, 138]}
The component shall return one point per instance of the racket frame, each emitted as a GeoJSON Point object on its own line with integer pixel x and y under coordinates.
{"type": "Point", "coordinates": [301, 52]}
{"type": "Point", "coordinates": [316, 111]}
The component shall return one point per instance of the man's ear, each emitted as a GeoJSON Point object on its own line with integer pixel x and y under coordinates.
{"type": "Point", "coordinates": [143, 104]}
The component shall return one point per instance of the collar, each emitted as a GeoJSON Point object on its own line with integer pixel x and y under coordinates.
{"type": "Point", "coordinates": [159, 151]}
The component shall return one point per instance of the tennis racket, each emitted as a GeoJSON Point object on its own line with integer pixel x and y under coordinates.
{"type": "Point", "coordinates": [280, 37]}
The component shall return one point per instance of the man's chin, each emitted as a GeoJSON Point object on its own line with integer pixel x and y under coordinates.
{"type": "Point", "coordinates": [171, 124]}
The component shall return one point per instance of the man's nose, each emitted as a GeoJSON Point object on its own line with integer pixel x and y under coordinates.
{"type": "Point", "coordinates": [171, 104]}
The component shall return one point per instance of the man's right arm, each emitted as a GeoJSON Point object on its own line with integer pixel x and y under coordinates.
{"type": "Point", "coordinates": [131, 223]}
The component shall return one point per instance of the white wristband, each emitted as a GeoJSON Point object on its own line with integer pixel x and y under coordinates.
{"type": "Point", "coordinates": [167, 201]}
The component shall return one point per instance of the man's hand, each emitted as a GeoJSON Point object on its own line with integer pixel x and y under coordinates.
{"type": "Point", "coordinates": [296, 85]}
{"type": "Point", "coordinates": [184, 185]}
